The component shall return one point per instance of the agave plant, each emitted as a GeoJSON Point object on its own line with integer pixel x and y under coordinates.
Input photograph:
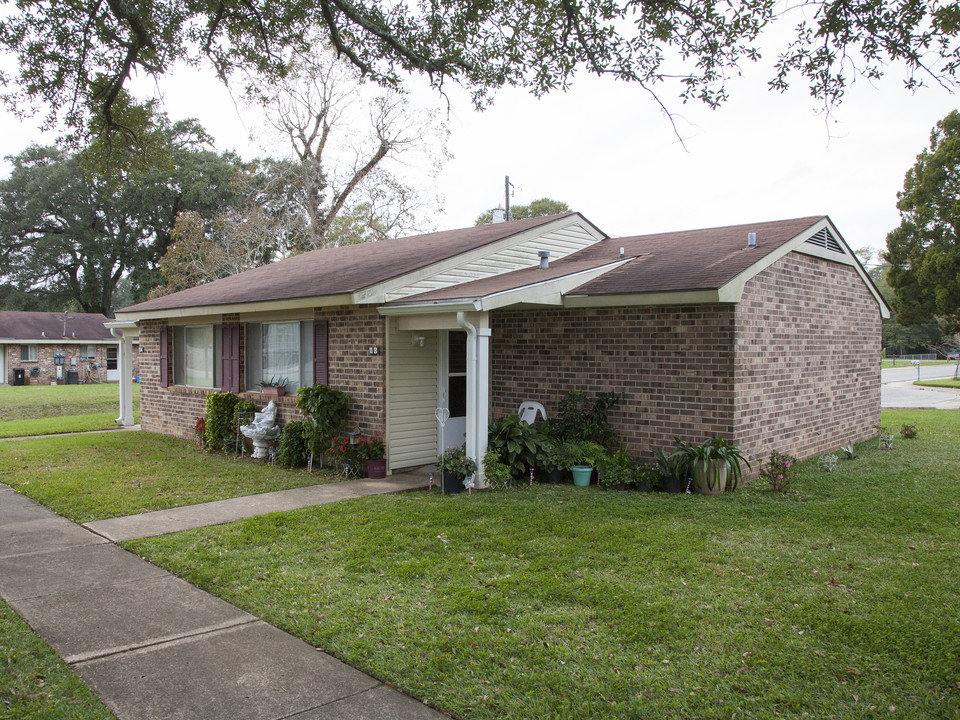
{"type": "Point", "coordinates": [697, 460]}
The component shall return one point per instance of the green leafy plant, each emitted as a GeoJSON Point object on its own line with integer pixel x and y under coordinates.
{"type": "Point", "coordinates": [615, 469]}
{"type": "Point", "coordinates": [646, 477]}
{"type": "Point", "coordinates": [348, 459]}
{"type": "Point", "coordinates": [909, 431]}
{"type": "Point", "coordinates": [516, 443]}
{"type": "Point", "coordinates": [849, 451]}
{"type": "Point", "coordinates": [292, 450]}
{"type": "Point", "coordinates": [371, 447]}
{"type": "Point", "coordinates": [547, 458]}
{"type": "Point", "coordinates": [664, 464]}
{"type": "Point", "coordinates": [325, 411]}
{"type": "Point", "coordinates": [456, 461]}
{"type": "Point", "coordinates": [218, 433]}
{"type": "Point", "coordinates": [496, 472]}
{"type": "Point", "coordinates": [776, 471]}
{"type": "Point", "coordinates": [695, 460]}
{"type": "Point", "coordinates": [274, 382]}
{"type": "Point", "coordinates": [583, 419]}
{"type": "Point", "coordinates": [579, 452]}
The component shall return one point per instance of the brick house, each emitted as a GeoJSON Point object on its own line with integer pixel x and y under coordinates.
{"type": "Point", "coordinates": [767, 333]}
{"type": "Point", "coordinates": [56, 344]}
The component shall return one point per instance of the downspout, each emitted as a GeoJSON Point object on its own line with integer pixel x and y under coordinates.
{"type": "Point", "coordinates": [473, 445]}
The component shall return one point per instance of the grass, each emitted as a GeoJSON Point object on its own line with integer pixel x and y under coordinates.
{"type": "Point", "coordinates": [34, 682]}
{"type": "Point", "coordinates": [92, 477]}
{"type": "Point", "coordinates": [942, 382]}
{"type": "Point", "coordinates": [885, 364]}
{"type": "Point", "coordinates": [838, 600]}
{"type": "Point", "coordinates": [49, 409]}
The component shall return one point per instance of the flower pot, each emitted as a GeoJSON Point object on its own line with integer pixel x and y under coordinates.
{"type": "Point", "coordinates": [581, 475]}
{"type": "Point", "coordinates": [555, 477]}
{"type": "Point", "coordinates": [377, 468]}
{"type": "Point", "coordinates": [450, 483]}
{"type": "Point", "coordinates": [672, 484]}
{"type": "Point", "coordinates": [710, 477]}
{"type": "Point", "coordinates": [274, 390]}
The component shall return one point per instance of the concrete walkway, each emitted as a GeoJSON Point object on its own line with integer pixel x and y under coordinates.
{"type": "Point", "coordinates": [162, 522]}
{"type": "Point", "coordinates": [152, 646]}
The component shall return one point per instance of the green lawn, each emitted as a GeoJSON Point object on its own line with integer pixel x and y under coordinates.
{"type": "Point", "coordinates": [49, 409]}
{"type": "Point", "coordinates": [942, 382]}
{"type": "Point", "coordinates": [839, 600]}
{"type": "Point", "coordinates": [92, 477]}
{"type": "Point", "coordinates": [34, 682]}
{"type": "Point", "coordinates": [906, 363]}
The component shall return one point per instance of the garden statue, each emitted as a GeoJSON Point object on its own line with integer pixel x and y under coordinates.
{"type": "Point", "coordinates": [263, 430]}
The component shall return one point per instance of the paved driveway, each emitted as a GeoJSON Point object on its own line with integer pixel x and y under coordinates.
{"type": "Point", "coordinates": [898, 391]}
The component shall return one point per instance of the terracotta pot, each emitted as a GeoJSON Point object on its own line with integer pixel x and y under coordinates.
{"type": "Point", "coordinates": [377, 468]}
{"type": "Point", "coordinates": [275, 390]}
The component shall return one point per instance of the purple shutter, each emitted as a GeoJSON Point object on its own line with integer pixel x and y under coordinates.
{"type": "Point", "coordinates": [320, 352]}
{"type": "Point", "coordinates": [164, 380]}
{"type": "Point", "coordinates": [230, 361]}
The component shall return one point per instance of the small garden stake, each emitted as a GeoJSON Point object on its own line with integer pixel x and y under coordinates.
{"type": "Point", "coordinates": [468, 484]}
{"type": "Point", "coordinates": [531, 477]}
{"type": "Point", "coordinates": [430, 486]}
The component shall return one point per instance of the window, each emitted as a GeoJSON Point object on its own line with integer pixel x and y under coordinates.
{"type": "Point", "coordinates": [88, 353]}
{"type": "Point", "coordinates": [278, 350]}
{"type": "Point", "coordinates": [28, 353]}
{"type": "Point", "coordinates": [196, 355]}
{"type": "Point", "coordinates": [112, 358]}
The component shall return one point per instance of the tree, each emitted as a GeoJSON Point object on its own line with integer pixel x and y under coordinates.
{"type": "Point", "coordinates": [75, 58]}
{"type": "Point", "coordinates": [538, 208]}
{"type": "Point", "coordinates": [71, 237]}
{"type": "Point", "coordinates": [346, 145]}
{"type": "Point", "coordinates": [924, 252]}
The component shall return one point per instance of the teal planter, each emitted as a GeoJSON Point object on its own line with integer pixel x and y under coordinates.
{"type": "Point", "coordinates": [581, 475]}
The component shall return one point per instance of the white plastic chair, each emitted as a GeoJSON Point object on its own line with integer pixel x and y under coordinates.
{"type": "Point", "coordinates": [528, 412]}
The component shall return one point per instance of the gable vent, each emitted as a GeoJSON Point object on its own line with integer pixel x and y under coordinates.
{"type": "Point", "coordinates": [825, 239]}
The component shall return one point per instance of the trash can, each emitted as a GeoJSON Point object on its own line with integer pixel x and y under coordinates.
{"type": "Point", "coordinates": [73, 377]}
{"type": "Point", "coordinates": [18, 375]}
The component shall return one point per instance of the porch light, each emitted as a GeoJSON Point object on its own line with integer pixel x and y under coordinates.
{"type": "Point", "coordinates": [417, 340]}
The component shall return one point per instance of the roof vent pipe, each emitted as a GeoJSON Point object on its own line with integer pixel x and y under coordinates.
{"type": "Point", "coordinates": [751, 239]}
{"type": "Point", "coordinates": [498, 215]}
{"type": "Point", "coordinates": [544, 259]}
{"type": "Point", "coordinates": [622, 253]}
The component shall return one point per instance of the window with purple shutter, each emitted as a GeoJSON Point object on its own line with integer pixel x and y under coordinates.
{"type": "Point", "coordinates": [320, 352]}
{"type": "Point", "coordinates": [164, 354]}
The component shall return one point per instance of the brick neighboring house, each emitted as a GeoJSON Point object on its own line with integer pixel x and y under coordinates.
{"type": "Point", "coordinates": [56, 344]}
{"type": "Point", "coordinates": [767, 333]}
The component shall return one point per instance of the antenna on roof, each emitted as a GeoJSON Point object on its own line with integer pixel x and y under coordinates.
{"type": "Point", "coordinates": [507, 185]}
{"type": "Point", "coordinates": [65, 318]}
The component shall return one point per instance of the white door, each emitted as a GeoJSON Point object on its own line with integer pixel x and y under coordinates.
{"type": "Point", "coordinates": [113, 369]}
{"type": "Point", "coordinates": [453, 388]}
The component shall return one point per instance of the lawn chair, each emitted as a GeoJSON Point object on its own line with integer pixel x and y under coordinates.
{"type": "Point", "coordinates": [529, 410]}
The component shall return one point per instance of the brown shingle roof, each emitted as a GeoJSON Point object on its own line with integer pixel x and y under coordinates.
{"type": "Point", "coordinates": [666, 262]}
{"type": "Point", "coordinates": [340, 270]}
{"type": "Point", "coordinates": [48, 326]}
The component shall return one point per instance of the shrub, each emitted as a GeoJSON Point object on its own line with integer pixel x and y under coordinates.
{"type": "Point", "coordinates": [325, 410]}
{"type": "Point", "coordinates": [515, 442]}
{"type": "Point", "coordinates": [293, 449]}
{"type": "Point", "coordinates": [615, 469]}
{"type": "Point", "coordinates": [777, 471]}
{"type": "Point", "coordinates": [585, 419]}
{"type": "Point", "coordinates": [219, 420]}
{"type": "Point", "coordinates": [909, 431]}
{"type": "Point", "coordinates": [496, 472]}
{"type": "Point", "coordinates": [349, 460]}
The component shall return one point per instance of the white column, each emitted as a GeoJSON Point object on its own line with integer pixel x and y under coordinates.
{"type": "Point", "coordinates": [483, 397]}
{"type": "Point", "coordinates": [126, 381]}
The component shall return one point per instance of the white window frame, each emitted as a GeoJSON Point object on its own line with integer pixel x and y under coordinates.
{"type": "Point", "coordinates": [256, 356]}
{"type": "Point", "coordinates": [206, 353]}
{"type": "Point", "coordinates": [33, 353]}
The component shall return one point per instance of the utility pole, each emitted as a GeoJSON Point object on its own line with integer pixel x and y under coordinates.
{"type": "Point", "coordinates": [506, 193]}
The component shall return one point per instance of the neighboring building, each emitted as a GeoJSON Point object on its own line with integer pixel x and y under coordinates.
{"type": "Point", "coordinates": [768, 334]}
{"type": "Point", "coordinates": [57, 345]}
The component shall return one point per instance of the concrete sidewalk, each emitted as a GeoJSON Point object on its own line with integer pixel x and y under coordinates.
{"type": "Point", "coordinates": [152, 646]}
{"type": "Point", "coordinates": [162, 522]}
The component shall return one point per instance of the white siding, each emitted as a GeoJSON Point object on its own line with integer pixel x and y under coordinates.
{"type": "Point", "coordinates": [412, 383]}
{"type": "Point", "coordinates": [524, 254]}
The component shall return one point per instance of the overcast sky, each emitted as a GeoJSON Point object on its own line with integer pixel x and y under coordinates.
{"type": "Point", "coordinates": [608, 150]}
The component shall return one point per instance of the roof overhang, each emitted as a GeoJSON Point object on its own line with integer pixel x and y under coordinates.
{"type": "Point", "coordinates": [543, 293]}
{"type": "Point", "coordinates": [208, 311]}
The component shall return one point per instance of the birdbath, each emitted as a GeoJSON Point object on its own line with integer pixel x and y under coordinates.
{"type": "Point", "coordinates": [262, 431]}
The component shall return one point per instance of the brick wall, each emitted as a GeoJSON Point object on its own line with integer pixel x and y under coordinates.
{"type": "Point", "coordinates": [351, 331]}
{"type": "Point", "coordinates": [45, 362]}
{"type": "Point", "coordinates": [808, 349]}
{"type": "Point", "coordinates": [674, 366]}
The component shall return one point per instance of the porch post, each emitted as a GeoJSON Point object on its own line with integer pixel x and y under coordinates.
{"type": "Point", "coordinates": [483, 398]}
{"type": "Point", "coordinates": [126, 334]}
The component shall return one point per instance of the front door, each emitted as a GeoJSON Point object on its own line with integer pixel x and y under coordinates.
{"type": "Point", "coordinates": [113, 368]}
{"type": "Point", "coordinates": [453, 388]}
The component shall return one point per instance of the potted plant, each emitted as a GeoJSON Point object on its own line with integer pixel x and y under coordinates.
{"type": "Point", "coordinates": [275, 387]}
{"type": "Point", "coordinates": [373, 450]}
{"type": "Point", "coordinates": [496, 472]}
{"type": "Point", "coordinates": [454, 465]}
{"type": "Point", "coordinates": [666, 467]}
{"type": "Point", "coordinates": [615, 470]}
{"type": "Point", "coordinates": [579, 457]}
{"type": "Point", "coordinates": [646, 477]}
{"type": "Point", "coordinates": [711, 464]}
{"type": "Point", "coordinates": [548, 461]}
